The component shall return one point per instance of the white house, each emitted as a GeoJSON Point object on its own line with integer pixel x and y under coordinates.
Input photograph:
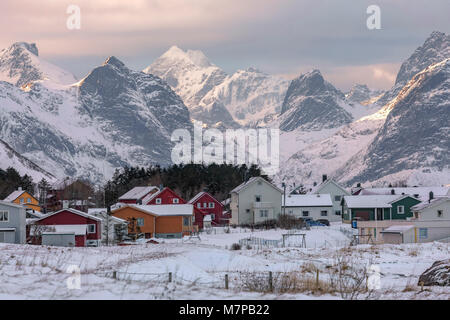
{"type": "Point", "coordinates": [335, 190]}
{"type": "Point", "coordinates": [255, 201]}
{"type": "Point", "coordinates": [113, 228]}
{"type": "Point", "coordinates": [315, 206]}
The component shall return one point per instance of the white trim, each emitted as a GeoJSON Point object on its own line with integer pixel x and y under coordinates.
{"type": "Point", "coordinates": [2, 212]}
{"type": "Point", "coordinates": [95, 228]}
{"type": "Point", "coordinates": [398, 209]}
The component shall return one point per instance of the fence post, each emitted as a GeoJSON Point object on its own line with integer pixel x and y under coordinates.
{"type": "Point", "coordinates": [317, 278]}
{"type": "Point", "coordinates": [170, 276]}
{"type": "Point", "coordinates": [114, 274]}
{"type": "Point", "coordinates": [270, 281]}
{"type": "Point", "coordinates": [226, 281]}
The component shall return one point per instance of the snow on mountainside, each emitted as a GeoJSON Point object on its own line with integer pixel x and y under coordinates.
{"type": "Point", "coordinates": [313, 104]}
{"type": "Point", "coordinates": [10, 158]}
{"type": "Point", "coordinates": [415, 135]}
{"type": "Point", "coordinates": [20, 64]}
{"type": "Point", "coordinates": [435, 49]}
{"type": "Point", "coordinates": [360, 93]}
{"type": "Point", "coordinates": [112, 118]}
{"type": "Point", "coordinates": [247, 97]}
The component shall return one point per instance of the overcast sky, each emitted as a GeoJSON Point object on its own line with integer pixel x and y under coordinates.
{"type": "Point", "coordinates": [284, 37]}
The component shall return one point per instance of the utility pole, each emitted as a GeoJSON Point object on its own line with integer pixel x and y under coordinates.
{"type": "Point", "coordinates": [284, 195]}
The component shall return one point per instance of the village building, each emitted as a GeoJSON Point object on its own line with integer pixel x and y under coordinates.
{"type": "Point", "coordinates": [24, 198]}
{"type": "Point", "coordinates": [113, 229]}
{"type": "Point", "coordinates": [67, 227]}
{"type": "Point", "coordinates": [313, 206]}
{"type": "Point", "coordinates": [255, 201]}
{"type": "Point", "coordinates": [157, 221]}
{"type": "Point", "coordinates": [335, 190]}
{"type": "Point", "coordinates": [138, 194]}
{"type": "Point", "coordinates": [209, 205]}
{"type": "Point", "coordinates": [12, 223]}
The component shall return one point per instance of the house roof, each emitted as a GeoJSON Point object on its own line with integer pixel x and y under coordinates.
{"type": "Point", "coordinates": [421, 192]}
{"type": "Point", "coordinates": [80, 213]}
{"type": "Point", "coordinates": [197, 196]}
{"type": "Point", "coordinates": [425, 204]}
{"type": "Point", "coordinates": [14, 195]}
{"type": "Point", "coordinates": [308, 200]}
{"type": "Point", "coordinates": [102, 212]}
{"type": "Point", "coordinates": [138, 193]}
{"type": "Point", "coordinates": [397, 229]}
{"type": "Point", "coordinates": [164, 209]}
{"type": "Point", "coordinates": [374, 201]}
{"type": "Point", "coordinates": [10, 204]}
{"type": "Point", "coordinates": [250, 181]}
{"type": "Point", "coordinates": [326, 182]}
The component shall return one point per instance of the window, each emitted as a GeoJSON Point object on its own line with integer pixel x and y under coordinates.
{"type": "Point", "coordinates": [205, 205]}
{"type": "Point", "coordinates": [175, 200]}
{"type": "Point", "coordinates": [337, 198]}
{"type": "Point", "coordinates": [21, 200]}
{"type": "Point", "coordinates": [400, 209]}
{"type": "Point", "coordinates": [440, 213]}
{"type": "Point", "coordinates": [199, 205]}
{"type": "Point", "coordinates": [213, 216]}
{"type": "Point", "coordinates": [29, 200]}
{"type": "Point", "coordinates": [4, 216]}
{"type": "Point", "coordinates": [247, 210]}
{"type": "Point", "coordinates": [211, 204]}
{"type": "Point", "coordinates": [423, 233]}
{"type": "Point", "coordinates": [140, 222]}
{"type": "Point", "coordinates": [258, 198]}
{"type": "Point", "coordinates": [158, 200]}
{"type": "Point", "coordinates": [290, 211]}
{"type": "Point", "coordinates": [186, 221]}
{"type": "Point", "coordinates": [305, 213]}
{"type": "Point", "coordinates": [337, 212]}
{"type": "Point", "coordinates": [91, 228]}
{"type": "Point", "coordinates": [264, 213]}
{"type": "Point", "coordinates": [324, 213]}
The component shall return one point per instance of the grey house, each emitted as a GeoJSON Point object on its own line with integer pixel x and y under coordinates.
{"type": "Point", "coordinates": [255, 201]}
{"type": "Point", "coordinates": [12, 223]}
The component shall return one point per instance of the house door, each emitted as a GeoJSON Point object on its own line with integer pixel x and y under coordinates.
{"type": "Point", "coordinates": [379, 214]}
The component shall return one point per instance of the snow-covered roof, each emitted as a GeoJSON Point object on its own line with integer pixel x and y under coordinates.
{"type": "Point", "coordinates": [138, 193]}
{"type": "Point", "coordinates": [198, 196]}
{"type": "Point", "coordinates": [374, 201]}
{"type": "Point", "coordinates": [7, 203]}
{"type": "Point", "coordinates": [318, 187]}
{"type": "Point", "coordinates": [250, 181]}
{"type": "Point", "coordinates": [14, 195]}
{"type": "Point", "coordinates": [78, 212]}
{"type": "Point", "coordinates": [397, 229]}
{"type": "Point", "coordinates": [308, 200]}
{"type": "Point", "coordinates": [226, 201]}
{"type": "Point", "coordinates": [102, 214]}
{"type": "Point", "coordinates": [77, 229]}
{"type": "Point", "coordinates": [425, 204]}
{"type": "Point", "coordinates": [166, 209]}
{"type": "Point", "coordinates": [422, 193]}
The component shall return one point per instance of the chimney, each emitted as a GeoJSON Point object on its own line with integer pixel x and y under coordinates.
{"type": "Point", "coordinates": [392, 191]}
{"type": "Point", "coordinates": [430, 196]}
{"type": "Point", "coordinates": [139, 202]}
{"type": "Point", "coordinates": [19, 189]}
{"type": "Point", "coordinates": [324, 177]}
{"type": "Point", "coordinates": [161, 186]}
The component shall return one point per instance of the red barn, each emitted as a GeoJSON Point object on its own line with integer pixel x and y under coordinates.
{"type": "Point", "coordinates": [210, 206]}
{"type": "Point", "coordinates": [138, 194]}
{"type": "Point", "coordinates": [85, 227]}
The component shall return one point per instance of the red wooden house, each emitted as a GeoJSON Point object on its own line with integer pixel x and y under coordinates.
{"type": "Point", "coordinates": [85, 228]}
{"type": "Point", "coordinates": [168, 196]}
{"type": "Point", "coordinates": [210, 206]}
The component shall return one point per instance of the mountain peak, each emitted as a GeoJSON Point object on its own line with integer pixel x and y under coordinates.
{"type": "Point", "coordinates": [31, 47]}
{"type": "Point", "coordinates": [113, 61]}
{"type": "Point", "coordinates": [195, 57]}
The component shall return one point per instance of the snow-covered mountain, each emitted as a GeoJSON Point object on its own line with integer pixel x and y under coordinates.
{"type": "Point", "coordinates": [20, 64]}
{"type": "Point", "coordinates": [112, 118]}
{"type": "Point", "coordinates": [245, 98]}
{"type": "Point", "coordinates": [415, 135]}
{"type": "Point", "coordinates": [361, 93]}
{"type": "Point", "coordinates": [10, 158]}
{"type": "Point", "coordinates": [405, 141]}
{"type": "Point", "coordinates": [435, 49]}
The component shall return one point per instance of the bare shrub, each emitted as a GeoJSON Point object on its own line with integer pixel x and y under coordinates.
{"type": "Point", "coordinates": [235, 246]}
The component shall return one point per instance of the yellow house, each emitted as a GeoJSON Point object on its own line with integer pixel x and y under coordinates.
{"type": "Point", "coordinates": [24, 198]}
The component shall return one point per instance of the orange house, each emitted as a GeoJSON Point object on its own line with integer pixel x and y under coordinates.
{"type": "Point", "coordinates": [157, 221]}
{"type": "Point", "coordinates": [24, 198]}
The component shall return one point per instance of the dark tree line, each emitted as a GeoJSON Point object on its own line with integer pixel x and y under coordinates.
{"type": "Point", "coordinates": [11, 180]}
{"type": "Point", "coordinates": [186, 180]}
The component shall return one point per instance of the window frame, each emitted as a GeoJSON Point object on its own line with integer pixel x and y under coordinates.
{"type": "Point", "coordinates": [324, 215]}
{"type": "Point", "coordinates": [158, 200]}
{"type": "Point", "coordinates": [398, 209]}
{"type": "Point", "coordinates": [175, 201]}
{"type": "Point", "coordinates": [2, 213]}
{"type": "Point", "coordinates": [440, 213]}
{"type": "Point", "coordinates": [258, 196]}
{"type": "Point", "coordinates": [305, 211]}
{"type": "Point", "coordinates": [89, 228]}
{"type": "Point", "coordinates": [137, 222]}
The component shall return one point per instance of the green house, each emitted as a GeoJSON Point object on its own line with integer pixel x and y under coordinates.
{"type": "Point", "coordinates": [378, 207]}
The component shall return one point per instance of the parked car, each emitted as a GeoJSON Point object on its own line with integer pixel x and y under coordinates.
{"type": "Point", "coordinates": [324, 222]}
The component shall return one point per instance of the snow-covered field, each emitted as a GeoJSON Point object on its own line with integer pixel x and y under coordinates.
{"type": "Point", "coordinates": [198, 268]}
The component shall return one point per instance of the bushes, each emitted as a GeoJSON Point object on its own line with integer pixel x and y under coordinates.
{"type": "Point", "coordinates": [235, 246]}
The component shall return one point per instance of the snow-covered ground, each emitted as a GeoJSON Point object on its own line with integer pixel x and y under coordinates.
{"type": "Point", "coordinates": [198, 268]}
